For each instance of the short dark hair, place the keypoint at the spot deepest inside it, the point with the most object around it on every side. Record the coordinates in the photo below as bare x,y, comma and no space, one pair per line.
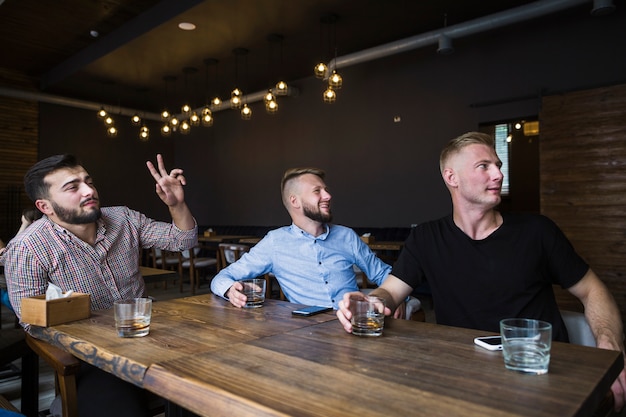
34,184
293,173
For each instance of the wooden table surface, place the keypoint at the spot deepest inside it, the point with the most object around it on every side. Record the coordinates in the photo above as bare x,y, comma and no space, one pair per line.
222,238
217,360
386,245
179,328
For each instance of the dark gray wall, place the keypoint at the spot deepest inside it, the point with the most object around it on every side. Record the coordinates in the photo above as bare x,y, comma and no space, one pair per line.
380,173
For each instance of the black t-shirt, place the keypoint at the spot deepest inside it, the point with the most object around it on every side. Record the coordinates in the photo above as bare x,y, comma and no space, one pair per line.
476,283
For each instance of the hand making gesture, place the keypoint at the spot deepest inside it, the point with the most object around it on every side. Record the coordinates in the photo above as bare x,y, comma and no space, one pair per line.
169,187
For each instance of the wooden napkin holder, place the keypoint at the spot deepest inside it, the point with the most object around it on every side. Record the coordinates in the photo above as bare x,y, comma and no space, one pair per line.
39,312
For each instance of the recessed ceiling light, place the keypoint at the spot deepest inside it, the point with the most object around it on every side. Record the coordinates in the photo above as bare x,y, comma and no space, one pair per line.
186,26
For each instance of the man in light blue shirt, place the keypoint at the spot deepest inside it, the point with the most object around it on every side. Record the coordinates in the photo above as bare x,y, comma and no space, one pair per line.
312,259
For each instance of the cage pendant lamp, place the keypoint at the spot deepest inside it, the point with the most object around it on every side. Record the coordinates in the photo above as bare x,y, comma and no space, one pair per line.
328,22
246,112
335,80
216,102
236,94
320,70
111,131
166,130
185,127
329,95
144,133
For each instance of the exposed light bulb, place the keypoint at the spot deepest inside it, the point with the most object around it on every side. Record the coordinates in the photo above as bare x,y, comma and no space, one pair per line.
320,70
246,112
281,88
330,95
335,81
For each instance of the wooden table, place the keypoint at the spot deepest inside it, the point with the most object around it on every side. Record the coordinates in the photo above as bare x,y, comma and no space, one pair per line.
156,274
222,238
386,245
217,360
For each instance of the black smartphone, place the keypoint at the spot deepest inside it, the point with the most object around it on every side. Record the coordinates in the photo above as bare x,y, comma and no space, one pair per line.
310,311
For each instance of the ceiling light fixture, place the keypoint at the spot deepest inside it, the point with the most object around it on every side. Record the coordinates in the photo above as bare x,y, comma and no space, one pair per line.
236,95
111,131
144,133
165,114
206,114
186,108
186,26
185,127
246,112
321,69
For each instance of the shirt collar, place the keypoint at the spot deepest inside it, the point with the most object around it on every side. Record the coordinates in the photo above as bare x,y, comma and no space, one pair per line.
323,236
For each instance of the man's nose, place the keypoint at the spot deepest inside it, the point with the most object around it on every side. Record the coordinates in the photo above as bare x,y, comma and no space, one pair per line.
86,189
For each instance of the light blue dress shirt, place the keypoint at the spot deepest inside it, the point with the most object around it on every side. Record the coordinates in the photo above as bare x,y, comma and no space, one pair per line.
310,270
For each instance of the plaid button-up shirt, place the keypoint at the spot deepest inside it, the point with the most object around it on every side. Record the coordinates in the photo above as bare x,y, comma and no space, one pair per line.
109,270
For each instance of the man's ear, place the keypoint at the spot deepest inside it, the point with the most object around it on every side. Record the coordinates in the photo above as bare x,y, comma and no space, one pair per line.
450,178
44,206
294,201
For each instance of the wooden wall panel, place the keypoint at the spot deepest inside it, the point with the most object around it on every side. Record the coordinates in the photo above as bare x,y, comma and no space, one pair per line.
583,177
19,121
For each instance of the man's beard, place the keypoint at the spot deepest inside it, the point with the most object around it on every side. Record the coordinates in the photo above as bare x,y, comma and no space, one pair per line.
317,215
74,217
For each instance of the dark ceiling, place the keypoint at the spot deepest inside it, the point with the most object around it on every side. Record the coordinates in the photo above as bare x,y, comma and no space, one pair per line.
139,42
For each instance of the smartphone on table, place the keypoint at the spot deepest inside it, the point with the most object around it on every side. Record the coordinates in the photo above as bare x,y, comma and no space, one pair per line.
489,342
310,311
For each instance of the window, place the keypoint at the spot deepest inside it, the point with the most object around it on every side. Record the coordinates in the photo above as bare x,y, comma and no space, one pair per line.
503,142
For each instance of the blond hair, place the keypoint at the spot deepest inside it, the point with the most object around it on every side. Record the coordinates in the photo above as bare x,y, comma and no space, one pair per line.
455,145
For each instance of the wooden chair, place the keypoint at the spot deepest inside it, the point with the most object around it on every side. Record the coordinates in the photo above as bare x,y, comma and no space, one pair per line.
231,252
188,259
13,346
164,260
65,368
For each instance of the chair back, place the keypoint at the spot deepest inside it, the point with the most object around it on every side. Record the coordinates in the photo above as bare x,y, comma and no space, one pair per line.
230,252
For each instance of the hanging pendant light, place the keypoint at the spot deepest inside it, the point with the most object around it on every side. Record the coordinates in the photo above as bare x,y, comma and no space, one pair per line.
144,133
174,122
165,114
271,107
320,70
216,102
102,113
269,96
235,98
186,108
166,130
207,117
327,28
329,95
185,127
236,95
246,112
135,120
108,121
194,119
335,80
111,131
281,88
